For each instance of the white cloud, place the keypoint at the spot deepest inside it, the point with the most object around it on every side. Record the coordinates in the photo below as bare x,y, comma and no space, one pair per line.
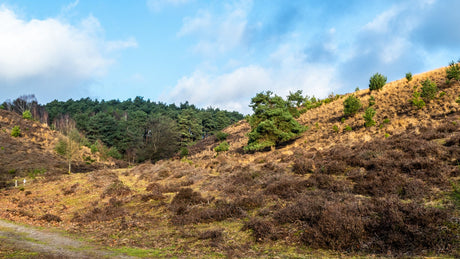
217,33
233,90
56,56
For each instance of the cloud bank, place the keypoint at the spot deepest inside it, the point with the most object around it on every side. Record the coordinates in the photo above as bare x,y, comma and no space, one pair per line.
51,57
273,50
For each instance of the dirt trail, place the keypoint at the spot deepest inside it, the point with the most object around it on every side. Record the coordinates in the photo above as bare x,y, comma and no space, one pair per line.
50,244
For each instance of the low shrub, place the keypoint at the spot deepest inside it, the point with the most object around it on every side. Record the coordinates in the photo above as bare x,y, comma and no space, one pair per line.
351,105
348,128
261,229
335,128
417,101
50,217
429,90
221,135
16,132
224,146
453,72
27,115
116,188
409,76
371,100
368,117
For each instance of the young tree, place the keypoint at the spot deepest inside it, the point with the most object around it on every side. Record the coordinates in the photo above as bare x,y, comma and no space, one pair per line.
69,145
271,123
351,105
377,81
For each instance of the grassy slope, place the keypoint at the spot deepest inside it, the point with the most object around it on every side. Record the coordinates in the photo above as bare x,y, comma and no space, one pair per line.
385,189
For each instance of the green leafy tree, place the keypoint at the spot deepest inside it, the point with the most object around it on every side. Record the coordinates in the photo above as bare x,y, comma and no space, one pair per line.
271,123
162,139
68,146
377,81
351,105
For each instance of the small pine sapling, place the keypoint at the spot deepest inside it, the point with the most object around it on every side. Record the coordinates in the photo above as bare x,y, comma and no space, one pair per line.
368,117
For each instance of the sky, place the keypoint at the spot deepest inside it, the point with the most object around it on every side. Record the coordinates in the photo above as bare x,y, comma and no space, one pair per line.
217,53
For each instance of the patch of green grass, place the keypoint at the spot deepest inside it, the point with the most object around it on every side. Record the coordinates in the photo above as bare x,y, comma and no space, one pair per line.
142,253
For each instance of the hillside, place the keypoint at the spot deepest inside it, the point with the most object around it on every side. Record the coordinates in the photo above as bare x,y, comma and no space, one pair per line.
33,152
391,189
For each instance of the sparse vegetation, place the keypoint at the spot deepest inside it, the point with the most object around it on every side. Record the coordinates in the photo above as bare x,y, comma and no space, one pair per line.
348,128
351,105
16,132
335,128
377,81
368,117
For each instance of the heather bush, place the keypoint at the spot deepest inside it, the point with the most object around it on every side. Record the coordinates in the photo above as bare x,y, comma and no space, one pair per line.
377,81
351,105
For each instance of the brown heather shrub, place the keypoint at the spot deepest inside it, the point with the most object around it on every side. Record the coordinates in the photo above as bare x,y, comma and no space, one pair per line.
111,210
303,166
72,189
286,187
116,188
213,234
184,198
220,210
50,217
261,229
327,182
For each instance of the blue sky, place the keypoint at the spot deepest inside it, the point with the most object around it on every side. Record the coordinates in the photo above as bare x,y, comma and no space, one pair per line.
217,53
